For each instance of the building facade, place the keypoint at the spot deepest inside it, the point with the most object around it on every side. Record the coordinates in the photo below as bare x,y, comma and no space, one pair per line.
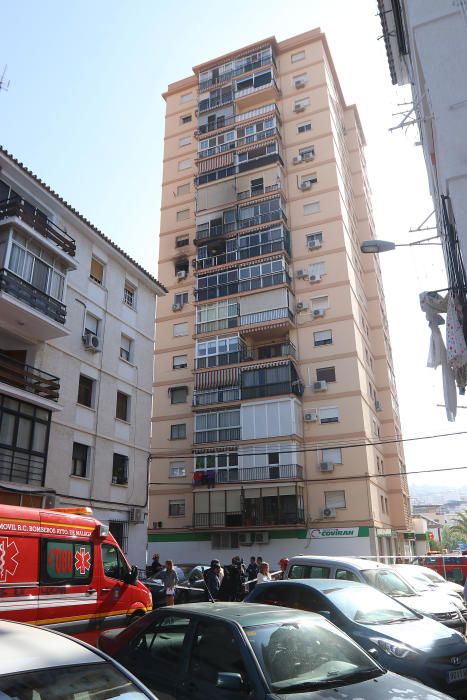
76,362
274,388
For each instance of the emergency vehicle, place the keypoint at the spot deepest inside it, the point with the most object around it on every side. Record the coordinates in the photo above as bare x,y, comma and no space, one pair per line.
61,568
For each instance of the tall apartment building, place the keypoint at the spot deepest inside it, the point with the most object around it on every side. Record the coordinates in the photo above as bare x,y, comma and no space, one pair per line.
76,359
274,387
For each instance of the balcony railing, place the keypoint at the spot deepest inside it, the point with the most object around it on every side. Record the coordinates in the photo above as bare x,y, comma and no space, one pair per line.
240,519
18,207
208,397
25,292
218,291
203,233
246,194
266,316
244,140
21,467
278,246
209,477
220,324
246,67
28,378
222,122
217,435
219,230
213,102
245,166
264,352
251,90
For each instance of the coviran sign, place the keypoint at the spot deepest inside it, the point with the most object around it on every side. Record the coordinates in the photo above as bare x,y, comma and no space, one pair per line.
334,532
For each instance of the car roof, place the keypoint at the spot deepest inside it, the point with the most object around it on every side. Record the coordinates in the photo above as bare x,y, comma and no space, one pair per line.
320,584
243,614
352,561
27,648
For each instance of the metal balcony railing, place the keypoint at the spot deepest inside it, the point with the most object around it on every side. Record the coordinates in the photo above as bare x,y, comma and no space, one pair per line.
217,435
254,251
244,140
253,164
16,206
246,194
266,316
23,291
21,467
245,67
213,102
28,378
241,519
220,324
251,90
266,473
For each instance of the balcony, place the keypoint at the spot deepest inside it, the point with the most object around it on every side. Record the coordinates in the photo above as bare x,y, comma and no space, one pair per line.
254,245
267,316
222,122
210,477
17,207
21,467
241,167
222,289
247,194
215,101
246,354
245,66
217,435
205,232
28,378
243,141
209,397
239,519
251,95
26,309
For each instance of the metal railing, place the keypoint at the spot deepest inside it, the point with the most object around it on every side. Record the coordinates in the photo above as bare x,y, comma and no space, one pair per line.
246,194
241,519
220,324
16,206
28,378
228,171
263,473
21,467
23,291
244,140
254,251
217,435
217,291
212,102
266,316
251,90
261,391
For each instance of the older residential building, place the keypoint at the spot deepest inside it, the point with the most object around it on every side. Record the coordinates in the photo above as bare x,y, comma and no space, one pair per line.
276,421
76,346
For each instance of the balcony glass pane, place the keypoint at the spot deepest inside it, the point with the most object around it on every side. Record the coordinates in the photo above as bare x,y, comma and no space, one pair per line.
7,426
24,433
39,438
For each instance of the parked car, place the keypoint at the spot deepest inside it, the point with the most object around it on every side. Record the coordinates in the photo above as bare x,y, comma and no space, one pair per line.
230,650
40,663
452,567
402,640
436,579
382,577
415,576
190,580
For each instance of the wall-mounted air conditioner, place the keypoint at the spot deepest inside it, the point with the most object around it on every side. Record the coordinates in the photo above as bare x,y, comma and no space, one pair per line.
308,156
320,386
305,185
261,537
177,307
319,313
299,108
328,512
181,274
301,274
301,306
310,416
296,160
314,243
326,466
315,278
136,515
92,342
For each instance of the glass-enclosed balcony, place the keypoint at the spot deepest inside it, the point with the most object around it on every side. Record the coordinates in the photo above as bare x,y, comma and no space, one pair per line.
246,311
228,164
209,397
270,380
232,69
241,136
217,426
242,279
216,98
220,121
250,245
223,351
241,217
14,286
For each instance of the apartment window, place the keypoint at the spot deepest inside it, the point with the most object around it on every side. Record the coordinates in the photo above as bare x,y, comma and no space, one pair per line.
184,141
181,298
332,454
382,467
122,410
180,329
303,128
91,324
386,504
177,469
329,415
180,361
186,97
300,105
307,152
326,374
334,499
316,271
307,181
178,431
85,390
181,241
322,338
378,467
120,469
312,208
319,303
183,189
182,214
80,459
176,508
125,348
299,56
129,295
375,426
185,119
301,78
97,271
178,394
382,503
184,164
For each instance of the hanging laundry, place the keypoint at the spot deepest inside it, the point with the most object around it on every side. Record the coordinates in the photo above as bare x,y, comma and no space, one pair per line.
456,347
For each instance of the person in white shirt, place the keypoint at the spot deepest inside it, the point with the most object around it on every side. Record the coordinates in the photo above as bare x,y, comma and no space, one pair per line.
264,574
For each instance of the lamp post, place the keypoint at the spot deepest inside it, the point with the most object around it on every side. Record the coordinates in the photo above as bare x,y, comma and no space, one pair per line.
375,245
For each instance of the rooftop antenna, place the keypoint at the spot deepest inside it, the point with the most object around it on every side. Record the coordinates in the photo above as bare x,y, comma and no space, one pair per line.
4,84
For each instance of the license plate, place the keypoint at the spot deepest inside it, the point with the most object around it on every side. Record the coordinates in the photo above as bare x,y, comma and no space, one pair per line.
458,675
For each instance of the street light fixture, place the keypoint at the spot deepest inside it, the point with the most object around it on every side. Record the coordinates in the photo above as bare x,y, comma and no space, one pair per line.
376,246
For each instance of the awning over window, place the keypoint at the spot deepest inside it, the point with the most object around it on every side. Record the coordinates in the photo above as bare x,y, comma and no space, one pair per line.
217,378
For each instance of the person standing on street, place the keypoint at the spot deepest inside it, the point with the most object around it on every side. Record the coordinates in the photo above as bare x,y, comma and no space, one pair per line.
264,574
251,573
156,566
212,579
169,578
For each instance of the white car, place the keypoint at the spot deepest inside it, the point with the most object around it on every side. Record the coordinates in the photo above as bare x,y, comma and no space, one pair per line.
423,581
42,664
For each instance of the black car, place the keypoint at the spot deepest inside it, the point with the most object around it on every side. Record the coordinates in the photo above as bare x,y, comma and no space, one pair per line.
223,651
190,587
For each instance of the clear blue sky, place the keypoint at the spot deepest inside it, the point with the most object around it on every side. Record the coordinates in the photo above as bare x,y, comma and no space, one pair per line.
84,112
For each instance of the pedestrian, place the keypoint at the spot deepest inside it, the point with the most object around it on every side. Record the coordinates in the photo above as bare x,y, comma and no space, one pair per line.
212,579
282,565
169,578
233,584
264,574
156,566
251,573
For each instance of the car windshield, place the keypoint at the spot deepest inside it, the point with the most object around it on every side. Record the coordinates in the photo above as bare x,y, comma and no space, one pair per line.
433,576
388,582
417,580
304,654
368,606
79,682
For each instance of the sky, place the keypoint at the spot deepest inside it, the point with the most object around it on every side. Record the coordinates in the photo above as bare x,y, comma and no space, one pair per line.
84,112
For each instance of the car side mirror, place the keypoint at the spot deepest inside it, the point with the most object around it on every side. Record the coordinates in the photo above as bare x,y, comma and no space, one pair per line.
229,681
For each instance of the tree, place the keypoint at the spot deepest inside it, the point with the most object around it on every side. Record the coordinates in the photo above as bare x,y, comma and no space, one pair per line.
459,529
448,539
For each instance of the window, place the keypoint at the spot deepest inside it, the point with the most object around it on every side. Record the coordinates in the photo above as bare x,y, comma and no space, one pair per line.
185,119
120,469
178,431
322,338
37,267
327,374
176,508
181,298
299,56
180,329
382,503
300,105
302,78
53,571
334,499
319,303
113,562
182,214
180,361
303,128
177,469
91,324
307,152
329,415
386,504
309,571
97,271
181,241
85,390
122,409
312,208
216,650
184,141
312,237
184,164
178,394
376,428
125,348
344,575
80,458
316,271
183,189
129,295
186,97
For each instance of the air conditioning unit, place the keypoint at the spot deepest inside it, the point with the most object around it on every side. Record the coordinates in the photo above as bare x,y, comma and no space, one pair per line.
378,406
305,185
308,156
301,306
245,538
315,278
92,342
320,386
319,313
300,84
299,108
177,307
301,274
314,243
261,537
136,515
310,416
296,160
181,274
326,467
328,512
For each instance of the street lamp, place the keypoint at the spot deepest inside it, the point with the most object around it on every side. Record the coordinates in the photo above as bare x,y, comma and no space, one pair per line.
376,246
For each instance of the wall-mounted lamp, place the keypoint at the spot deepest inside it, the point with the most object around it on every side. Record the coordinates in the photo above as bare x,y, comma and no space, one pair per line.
376,246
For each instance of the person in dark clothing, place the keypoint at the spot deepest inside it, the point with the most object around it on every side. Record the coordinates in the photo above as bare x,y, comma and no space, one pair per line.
251,573
212,579
156,566
232,586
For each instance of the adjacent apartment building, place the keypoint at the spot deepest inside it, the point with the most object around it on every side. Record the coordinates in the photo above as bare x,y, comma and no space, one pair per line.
76,358
276,421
